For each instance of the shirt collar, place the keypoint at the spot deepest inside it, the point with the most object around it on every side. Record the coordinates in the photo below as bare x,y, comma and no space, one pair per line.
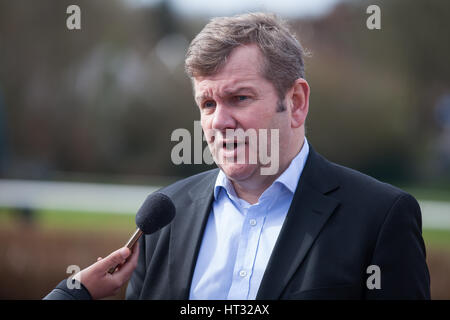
289,178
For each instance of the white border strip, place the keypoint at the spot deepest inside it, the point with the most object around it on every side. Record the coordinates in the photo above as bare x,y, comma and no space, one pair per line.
126,199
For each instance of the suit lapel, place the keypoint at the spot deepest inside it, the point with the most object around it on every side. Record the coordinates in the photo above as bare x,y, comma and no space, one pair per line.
186,234
309,211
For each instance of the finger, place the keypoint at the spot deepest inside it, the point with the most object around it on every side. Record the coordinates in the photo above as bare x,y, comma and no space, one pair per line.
115,258
134,253
125,271
99,258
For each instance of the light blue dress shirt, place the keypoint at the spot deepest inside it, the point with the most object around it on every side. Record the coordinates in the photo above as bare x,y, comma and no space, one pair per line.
239,237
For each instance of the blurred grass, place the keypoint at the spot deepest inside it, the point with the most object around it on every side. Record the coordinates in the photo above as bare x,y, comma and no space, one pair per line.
70,220
437,239
94,221
429,194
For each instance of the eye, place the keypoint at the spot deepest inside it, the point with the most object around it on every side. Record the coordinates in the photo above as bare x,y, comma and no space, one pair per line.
209,104
241,98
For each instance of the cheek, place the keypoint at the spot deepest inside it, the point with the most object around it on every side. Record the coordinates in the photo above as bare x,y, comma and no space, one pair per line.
263,122
263,116
205,122
253,120
207,130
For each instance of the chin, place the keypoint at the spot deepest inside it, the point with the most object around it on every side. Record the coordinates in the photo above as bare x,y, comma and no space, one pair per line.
239,172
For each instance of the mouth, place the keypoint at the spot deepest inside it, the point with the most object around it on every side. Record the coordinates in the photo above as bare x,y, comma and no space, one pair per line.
232,145
231,149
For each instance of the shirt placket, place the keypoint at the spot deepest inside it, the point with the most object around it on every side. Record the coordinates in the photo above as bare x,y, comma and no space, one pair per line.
247,251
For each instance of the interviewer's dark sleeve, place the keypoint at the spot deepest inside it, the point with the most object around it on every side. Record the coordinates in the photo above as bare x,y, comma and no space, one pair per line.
62,292
400,254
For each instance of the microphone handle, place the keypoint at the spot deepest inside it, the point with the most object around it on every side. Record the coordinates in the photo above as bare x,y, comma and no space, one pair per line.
135,237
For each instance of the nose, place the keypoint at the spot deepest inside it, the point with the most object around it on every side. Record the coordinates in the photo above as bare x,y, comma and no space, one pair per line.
223,118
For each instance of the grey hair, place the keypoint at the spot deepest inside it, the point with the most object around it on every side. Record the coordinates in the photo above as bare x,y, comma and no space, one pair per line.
283,54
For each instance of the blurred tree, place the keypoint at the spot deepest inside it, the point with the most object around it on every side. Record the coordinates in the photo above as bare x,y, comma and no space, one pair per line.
105,99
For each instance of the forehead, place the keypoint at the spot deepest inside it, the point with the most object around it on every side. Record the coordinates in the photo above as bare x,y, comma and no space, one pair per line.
242,69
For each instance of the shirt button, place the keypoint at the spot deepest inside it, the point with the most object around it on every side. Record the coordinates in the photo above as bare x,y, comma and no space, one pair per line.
243,273
252,222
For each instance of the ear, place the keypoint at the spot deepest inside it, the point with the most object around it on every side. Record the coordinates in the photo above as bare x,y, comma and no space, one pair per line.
299,101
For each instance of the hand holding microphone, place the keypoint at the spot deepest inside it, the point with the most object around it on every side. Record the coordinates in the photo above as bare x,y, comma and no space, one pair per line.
105,277
156,212
99,282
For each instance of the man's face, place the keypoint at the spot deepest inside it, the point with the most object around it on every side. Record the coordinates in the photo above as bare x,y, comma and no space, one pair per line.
238,97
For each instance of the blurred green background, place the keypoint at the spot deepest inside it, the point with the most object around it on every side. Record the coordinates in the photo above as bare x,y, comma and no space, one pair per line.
98,105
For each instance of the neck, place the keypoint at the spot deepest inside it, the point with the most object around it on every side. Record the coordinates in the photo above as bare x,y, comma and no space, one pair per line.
251,189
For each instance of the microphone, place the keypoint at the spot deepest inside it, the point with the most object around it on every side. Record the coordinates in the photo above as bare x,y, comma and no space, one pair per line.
156,212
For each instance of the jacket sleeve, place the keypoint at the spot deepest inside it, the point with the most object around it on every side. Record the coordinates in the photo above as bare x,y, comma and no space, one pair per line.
62,292
400,254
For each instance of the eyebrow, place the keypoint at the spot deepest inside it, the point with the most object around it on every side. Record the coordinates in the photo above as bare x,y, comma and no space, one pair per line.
239,90
227,92
202,97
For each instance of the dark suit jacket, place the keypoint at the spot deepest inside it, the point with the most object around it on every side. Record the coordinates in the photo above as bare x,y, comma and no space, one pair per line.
339,223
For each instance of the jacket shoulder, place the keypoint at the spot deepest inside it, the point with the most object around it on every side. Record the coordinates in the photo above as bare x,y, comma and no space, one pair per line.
362,184
190,184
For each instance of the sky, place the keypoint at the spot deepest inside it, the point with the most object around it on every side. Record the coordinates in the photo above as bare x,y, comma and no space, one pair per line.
285,8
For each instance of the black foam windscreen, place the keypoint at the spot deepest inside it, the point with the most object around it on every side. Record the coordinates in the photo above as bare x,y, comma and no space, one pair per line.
156,212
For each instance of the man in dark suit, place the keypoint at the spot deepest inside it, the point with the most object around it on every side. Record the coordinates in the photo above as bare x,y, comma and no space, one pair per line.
310,229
